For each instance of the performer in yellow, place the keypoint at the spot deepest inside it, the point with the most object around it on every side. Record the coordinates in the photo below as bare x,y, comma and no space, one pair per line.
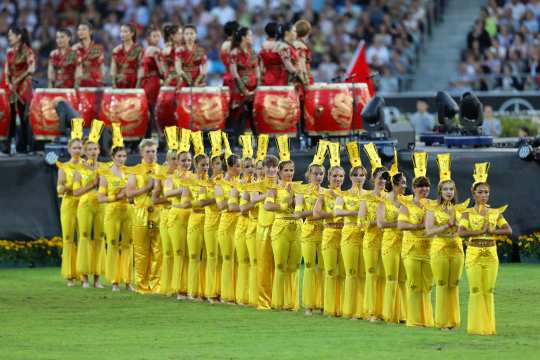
117,220
146,241
311,233
91,246
481,225
394,309
324,209
447,255
68,209
347,206
367,215
416,247
178,216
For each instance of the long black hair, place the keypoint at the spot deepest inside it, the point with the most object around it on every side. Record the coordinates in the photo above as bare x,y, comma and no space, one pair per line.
169,30
282,29
23,33
238,36
230,27
272,29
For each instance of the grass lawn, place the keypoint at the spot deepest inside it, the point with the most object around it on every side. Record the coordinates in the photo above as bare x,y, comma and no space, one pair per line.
41,318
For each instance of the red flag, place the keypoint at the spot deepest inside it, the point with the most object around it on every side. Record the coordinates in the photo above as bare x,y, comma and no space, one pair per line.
358,70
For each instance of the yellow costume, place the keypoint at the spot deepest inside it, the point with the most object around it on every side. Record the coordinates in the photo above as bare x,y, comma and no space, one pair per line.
251,243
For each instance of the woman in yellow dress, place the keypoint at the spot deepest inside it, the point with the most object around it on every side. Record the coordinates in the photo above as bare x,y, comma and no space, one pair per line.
482,225
447,255
347,206
117,220
367,215
324,209
416,247
68,209
394,309
90,247
311,233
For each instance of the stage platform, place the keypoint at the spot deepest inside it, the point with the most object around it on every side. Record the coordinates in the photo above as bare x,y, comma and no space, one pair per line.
31,207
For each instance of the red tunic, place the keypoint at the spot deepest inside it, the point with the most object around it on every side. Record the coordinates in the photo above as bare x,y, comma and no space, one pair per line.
224,55
18,61
91,62
151,79
170,76
275,73
289,52
127,65
305,52
64,67
246,67
191,65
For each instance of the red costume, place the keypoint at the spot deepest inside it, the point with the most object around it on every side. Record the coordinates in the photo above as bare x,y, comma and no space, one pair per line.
151,79
305,52
91,62
225,55
18,62
289,53
127,65
275,73
170,76
64,67
191,65
246,67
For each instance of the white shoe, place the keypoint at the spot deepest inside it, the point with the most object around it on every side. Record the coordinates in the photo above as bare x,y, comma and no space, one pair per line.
115,288
85,285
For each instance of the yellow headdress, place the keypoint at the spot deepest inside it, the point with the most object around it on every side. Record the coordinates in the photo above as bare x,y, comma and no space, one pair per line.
373,156
480,173
395,166
354,154
95,131
334,149
420,163
77,129
215,143
226,147
320,153
117,139
283,148
171,136
185,143
198,144
247,146
262,146
443,162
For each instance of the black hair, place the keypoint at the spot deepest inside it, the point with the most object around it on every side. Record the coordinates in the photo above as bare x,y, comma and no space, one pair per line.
238,36
169,30
230,27
271,161
133,30
65,31
150,30
190,26
23,33
271,29
283,28
394,181
117,149
229,162
88,24
421,181
199,157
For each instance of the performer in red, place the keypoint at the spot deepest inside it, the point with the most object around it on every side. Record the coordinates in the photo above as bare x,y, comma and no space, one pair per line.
126,64
303,29
272,69
90,59
191,62
62,62
290,58
224,53
18,70
244,71
173,39
152,69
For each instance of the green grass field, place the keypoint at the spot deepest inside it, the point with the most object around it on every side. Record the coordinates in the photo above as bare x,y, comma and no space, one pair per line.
41,318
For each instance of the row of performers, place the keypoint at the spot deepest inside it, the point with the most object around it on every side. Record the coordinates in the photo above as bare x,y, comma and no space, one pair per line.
236,228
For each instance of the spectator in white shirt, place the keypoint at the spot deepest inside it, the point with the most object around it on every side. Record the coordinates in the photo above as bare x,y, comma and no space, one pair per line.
223,12
379,51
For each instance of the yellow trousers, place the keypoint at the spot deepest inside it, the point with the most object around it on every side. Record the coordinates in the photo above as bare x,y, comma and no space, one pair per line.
68,221
334,271
394,305
118,232
226,229
147,257
167,253
195,241
91,244
251,243
353,264
482,265
177,229
374,289
265,267
313,282
419,284
242,255
211,223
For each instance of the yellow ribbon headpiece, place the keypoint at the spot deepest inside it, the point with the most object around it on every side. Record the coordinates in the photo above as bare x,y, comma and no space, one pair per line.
77,129
373,155
283,148
395,166
226,146
420,163
334,150
246,141
185,140
354,154
443,162
320,154
215,143
480,173
95,131
171,136
117,139
198,144
262,146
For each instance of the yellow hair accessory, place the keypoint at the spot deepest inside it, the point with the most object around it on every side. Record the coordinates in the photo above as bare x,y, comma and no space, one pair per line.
198,144
283,147
480,172
226,147
215,143
171,136
443,162
354,154
247,146
320,154
334,150
117,139
395,165
262,146
185,142
77,129
95,131
373,155
420,163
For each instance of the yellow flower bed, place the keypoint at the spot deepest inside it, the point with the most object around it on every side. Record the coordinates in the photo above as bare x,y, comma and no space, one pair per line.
31,252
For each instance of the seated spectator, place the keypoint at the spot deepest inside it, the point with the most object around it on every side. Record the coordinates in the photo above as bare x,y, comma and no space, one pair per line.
422,121
491,126
378,51
387,82
462,81
480,34
507,80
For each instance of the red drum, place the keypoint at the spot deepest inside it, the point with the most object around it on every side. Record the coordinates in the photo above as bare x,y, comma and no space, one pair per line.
328,109
43,116
166,107
89,103
361,97
208,107
226,100
276,110
5,115
129,107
